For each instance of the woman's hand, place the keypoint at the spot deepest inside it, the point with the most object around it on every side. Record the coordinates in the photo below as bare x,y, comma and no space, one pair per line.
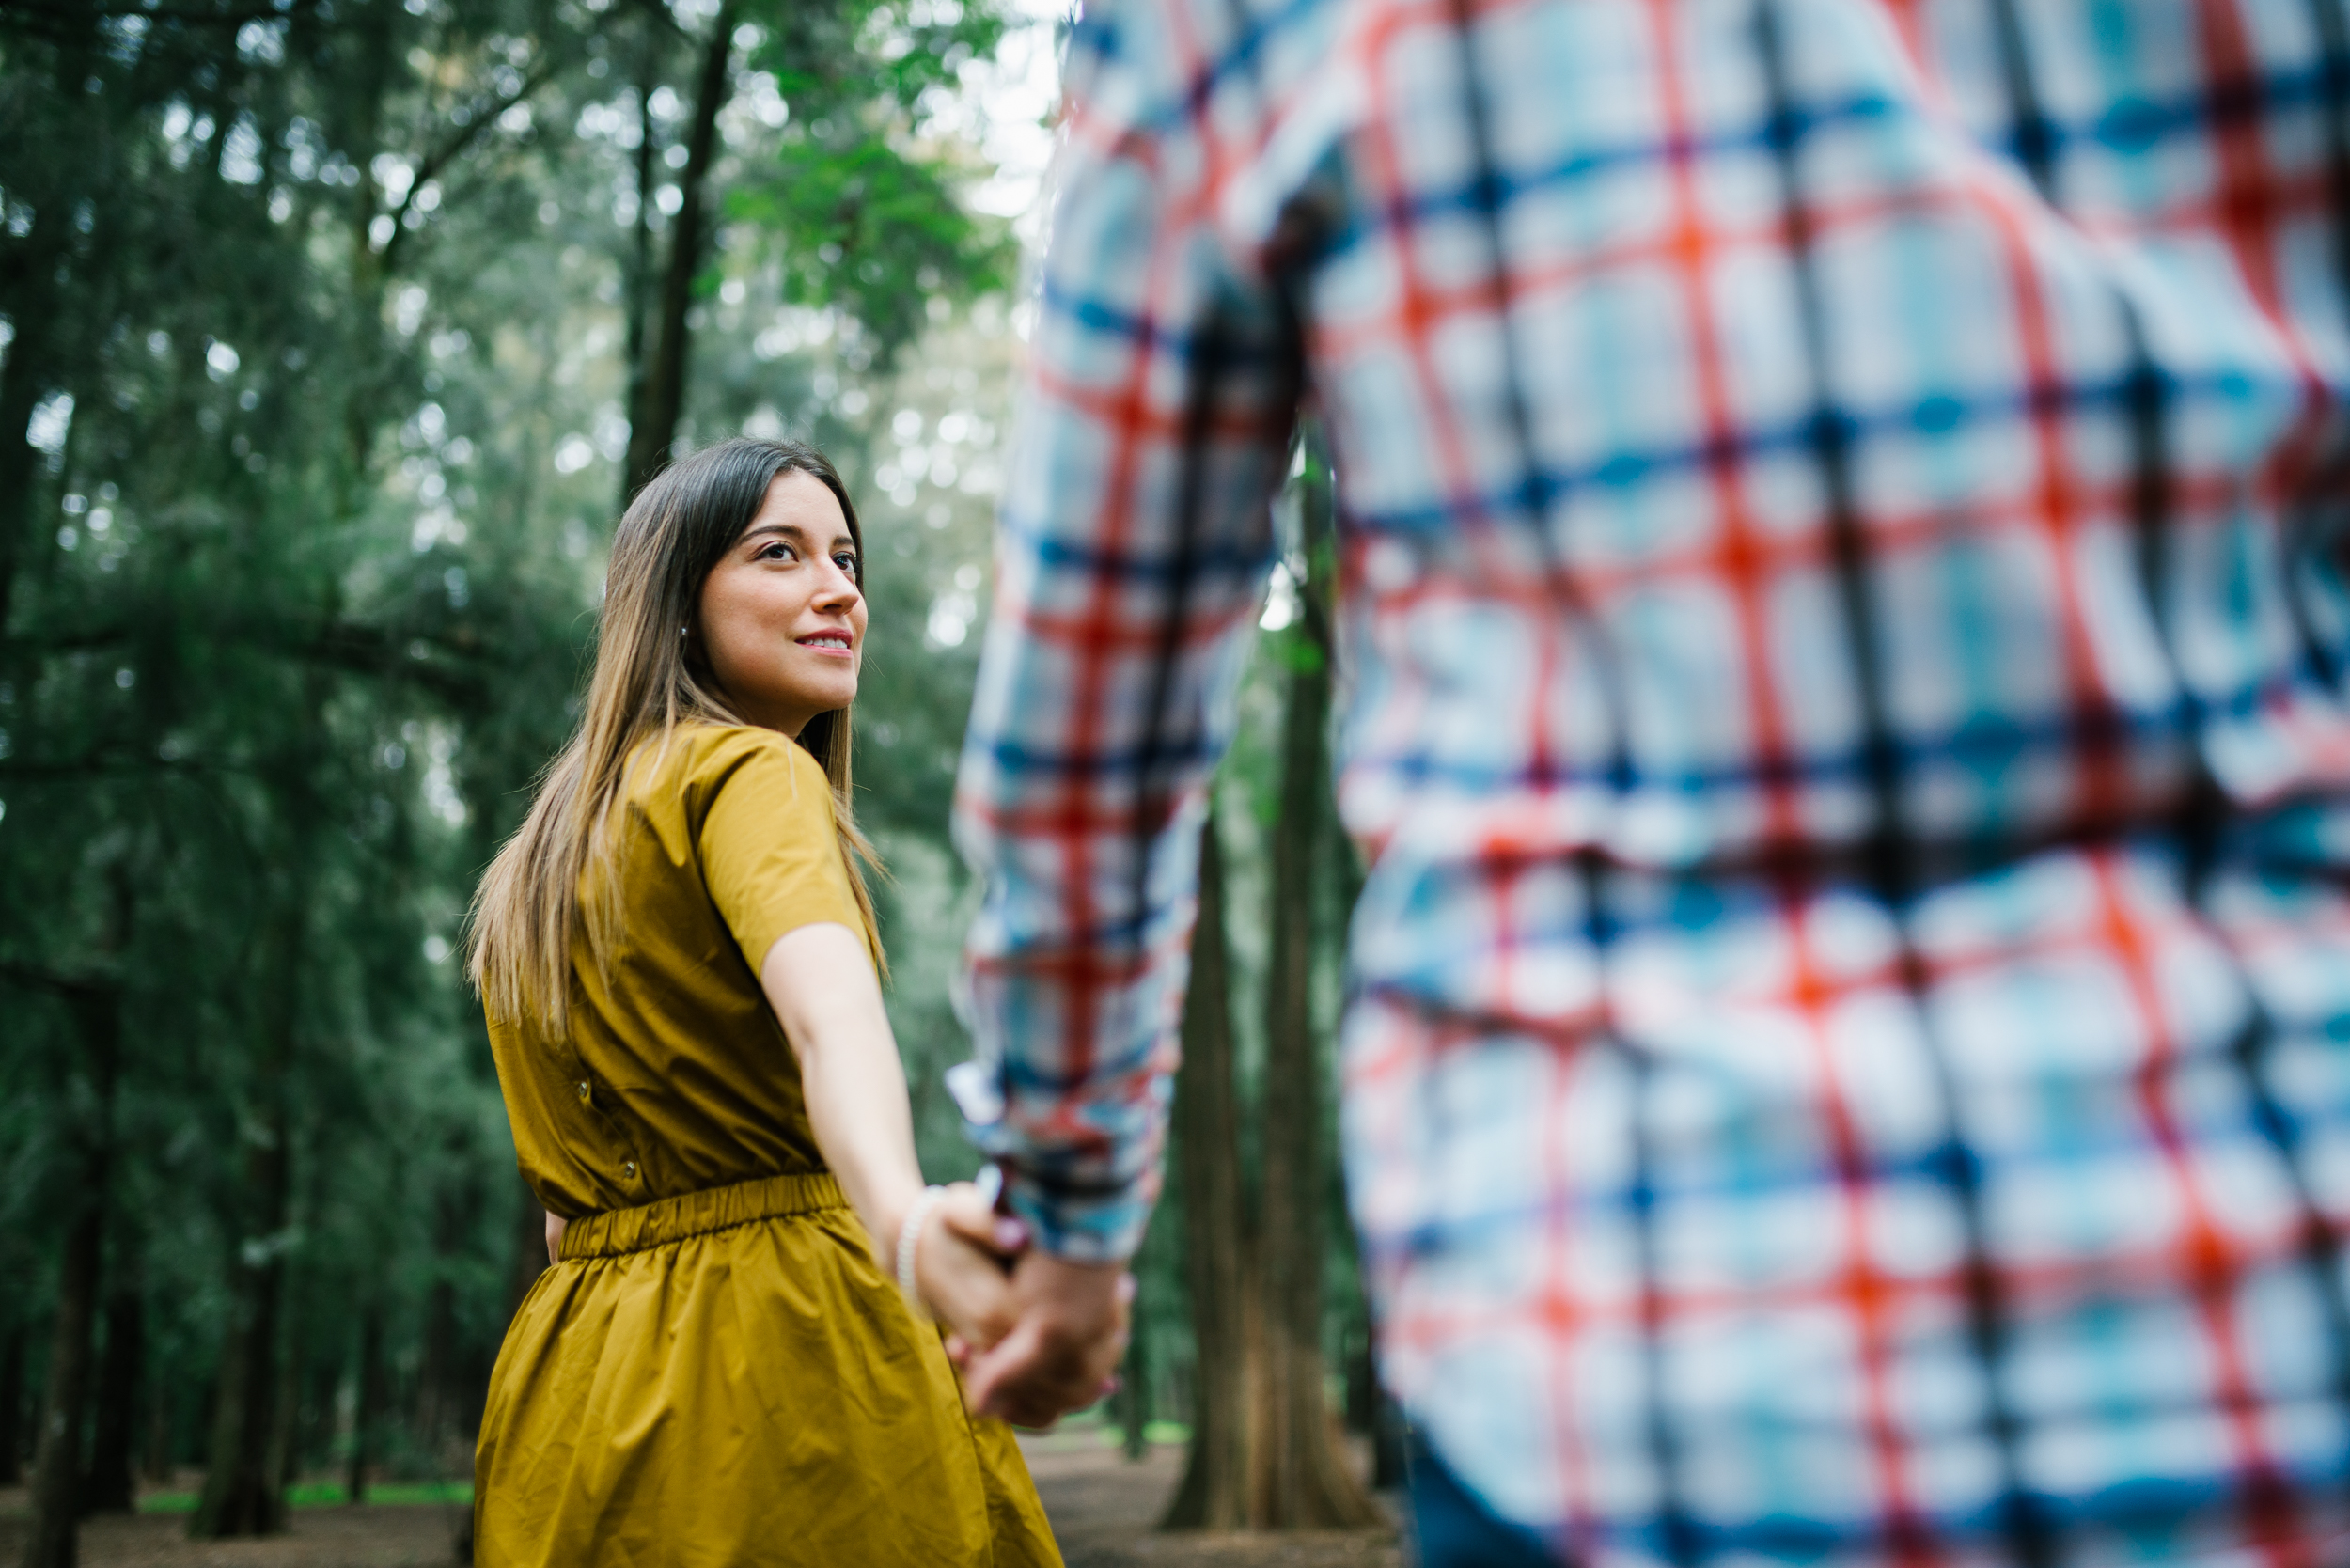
962,1266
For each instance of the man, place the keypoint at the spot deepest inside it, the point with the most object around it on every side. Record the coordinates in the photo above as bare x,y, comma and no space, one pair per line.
1848,1057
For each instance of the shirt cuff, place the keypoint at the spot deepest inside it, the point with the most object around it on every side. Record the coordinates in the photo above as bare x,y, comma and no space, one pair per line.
1077,1218
1078,1227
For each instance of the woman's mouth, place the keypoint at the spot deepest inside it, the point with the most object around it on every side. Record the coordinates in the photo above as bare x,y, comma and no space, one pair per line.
834,643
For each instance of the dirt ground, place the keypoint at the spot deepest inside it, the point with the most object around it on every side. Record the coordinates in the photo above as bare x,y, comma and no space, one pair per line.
1101,1507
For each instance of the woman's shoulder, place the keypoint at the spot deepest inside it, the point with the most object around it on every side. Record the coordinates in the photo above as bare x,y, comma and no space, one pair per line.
701,761
701,752
704,744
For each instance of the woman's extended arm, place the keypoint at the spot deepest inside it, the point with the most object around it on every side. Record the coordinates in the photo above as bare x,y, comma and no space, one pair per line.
819,980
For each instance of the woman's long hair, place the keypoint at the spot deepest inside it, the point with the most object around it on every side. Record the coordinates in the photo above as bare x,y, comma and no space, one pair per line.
647,680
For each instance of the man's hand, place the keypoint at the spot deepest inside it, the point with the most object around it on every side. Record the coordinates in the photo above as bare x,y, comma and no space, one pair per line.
1068,1336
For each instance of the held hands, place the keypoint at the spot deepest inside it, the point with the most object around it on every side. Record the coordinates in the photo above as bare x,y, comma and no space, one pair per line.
962,1266
1036,1338
1070,1336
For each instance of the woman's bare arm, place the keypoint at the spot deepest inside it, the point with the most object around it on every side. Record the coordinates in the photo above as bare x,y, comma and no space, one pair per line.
819,980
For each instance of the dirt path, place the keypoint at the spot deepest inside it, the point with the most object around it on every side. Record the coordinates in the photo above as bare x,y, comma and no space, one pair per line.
1101,1507
363,1537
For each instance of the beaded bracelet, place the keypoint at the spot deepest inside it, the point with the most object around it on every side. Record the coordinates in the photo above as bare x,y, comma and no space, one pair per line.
909,1234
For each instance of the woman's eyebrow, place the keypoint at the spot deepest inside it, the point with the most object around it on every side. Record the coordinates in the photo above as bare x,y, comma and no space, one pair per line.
794,532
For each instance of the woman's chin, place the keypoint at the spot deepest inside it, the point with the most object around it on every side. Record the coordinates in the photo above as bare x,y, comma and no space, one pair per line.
827,697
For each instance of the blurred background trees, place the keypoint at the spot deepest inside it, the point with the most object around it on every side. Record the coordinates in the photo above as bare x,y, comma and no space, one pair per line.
333,333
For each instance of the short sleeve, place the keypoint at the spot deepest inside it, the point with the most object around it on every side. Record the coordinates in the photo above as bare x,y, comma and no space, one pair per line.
769,853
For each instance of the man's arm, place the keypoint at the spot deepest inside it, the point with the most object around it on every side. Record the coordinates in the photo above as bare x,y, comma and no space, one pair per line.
1133,544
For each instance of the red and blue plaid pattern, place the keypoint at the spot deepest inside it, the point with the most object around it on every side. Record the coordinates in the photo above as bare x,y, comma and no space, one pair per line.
1842,502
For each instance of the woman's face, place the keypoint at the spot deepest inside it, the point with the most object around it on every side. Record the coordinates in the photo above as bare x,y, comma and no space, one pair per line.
782,618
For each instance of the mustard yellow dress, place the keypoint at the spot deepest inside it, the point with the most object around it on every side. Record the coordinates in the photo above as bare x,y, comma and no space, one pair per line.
717,1373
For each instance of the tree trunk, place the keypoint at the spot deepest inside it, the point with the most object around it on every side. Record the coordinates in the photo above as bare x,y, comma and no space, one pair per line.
1300,1480
34,298
1372,1412
367,30
364,1401
57,1466
1214,1492
112,1487
242,1495
284,1456
1386,1425
12,1408
436,1371
161,1408
638,279
652,423
26,376
1133,1394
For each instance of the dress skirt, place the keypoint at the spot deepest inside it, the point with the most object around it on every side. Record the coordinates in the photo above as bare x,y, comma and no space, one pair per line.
727,1379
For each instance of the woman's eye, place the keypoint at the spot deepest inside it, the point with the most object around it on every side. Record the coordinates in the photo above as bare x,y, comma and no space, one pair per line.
776,552
847,564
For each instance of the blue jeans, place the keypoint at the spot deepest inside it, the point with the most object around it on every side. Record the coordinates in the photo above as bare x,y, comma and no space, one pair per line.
1454,1529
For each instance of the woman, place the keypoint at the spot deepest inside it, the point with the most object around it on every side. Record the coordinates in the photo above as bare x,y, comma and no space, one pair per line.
677,957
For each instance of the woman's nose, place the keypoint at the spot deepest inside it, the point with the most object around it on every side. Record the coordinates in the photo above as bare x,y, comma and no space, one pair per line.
838,587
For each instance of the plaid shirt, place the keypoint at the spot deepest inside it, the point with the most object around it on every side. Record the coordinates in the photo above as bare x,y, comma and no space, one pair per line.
1849,1049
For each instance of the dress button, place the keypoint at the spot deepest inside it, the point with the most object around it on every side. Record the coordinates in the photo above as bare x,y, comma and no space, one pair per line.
583,1091
628,1169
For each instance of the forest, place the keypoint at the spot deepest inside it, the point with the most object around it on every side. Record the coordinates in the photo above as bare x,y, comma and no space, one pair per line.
334,336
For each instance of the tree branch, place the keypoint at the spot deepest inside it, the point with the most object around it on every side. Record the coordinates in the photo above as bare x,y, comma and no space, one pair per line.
373,650
361,650
81,15
431,165
92,984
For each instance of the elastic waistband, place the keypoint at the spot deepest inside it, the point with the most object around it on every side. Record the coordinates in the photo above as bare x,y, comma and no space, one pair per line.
697,1214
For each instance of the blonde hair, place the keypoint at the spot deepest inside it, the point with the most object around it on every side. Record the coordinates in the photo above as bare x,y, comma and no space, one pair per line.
646,682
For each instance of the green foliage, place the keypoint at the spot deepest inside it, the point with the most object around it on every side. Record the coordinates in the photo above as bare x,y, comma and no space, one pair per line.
863,227
329,1494
250,673
857,214
850,58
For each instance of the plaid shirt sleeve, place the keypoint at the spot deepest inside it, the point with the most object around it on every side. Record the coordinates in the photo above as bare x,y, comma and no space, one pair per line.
1134,543
1842,604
